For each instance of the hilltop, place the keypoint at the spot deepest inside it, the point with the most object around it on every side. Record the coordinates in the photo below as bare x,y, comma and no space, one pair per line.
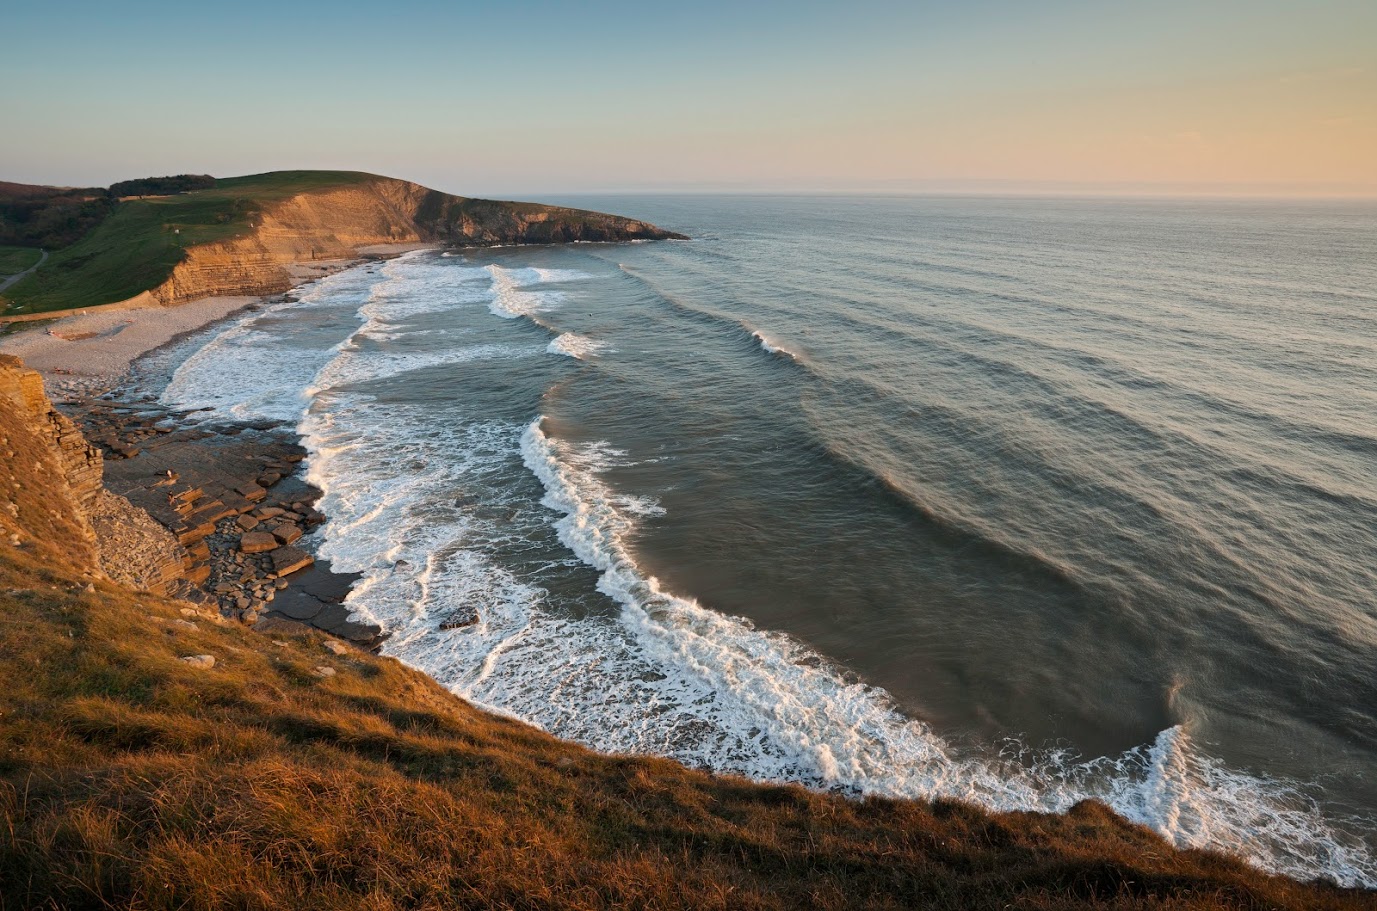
238,235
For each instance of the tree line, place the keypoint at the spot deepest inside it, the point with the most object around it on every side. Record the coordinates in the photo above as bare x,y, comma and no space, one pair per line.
56,217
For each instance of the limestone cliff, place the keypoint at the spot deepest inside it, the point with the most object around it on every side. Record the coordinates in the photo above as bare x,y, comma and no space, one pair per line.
52,499
337,222
49,475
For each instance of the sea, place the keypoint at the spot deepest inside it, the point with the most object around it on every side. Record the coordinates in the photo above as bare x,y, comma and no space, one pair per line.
1019,501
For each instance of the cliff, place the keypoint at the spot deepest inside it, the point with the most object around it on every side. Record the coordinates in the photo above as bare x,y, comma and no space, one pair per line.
155,757
53,503
239,236
52,476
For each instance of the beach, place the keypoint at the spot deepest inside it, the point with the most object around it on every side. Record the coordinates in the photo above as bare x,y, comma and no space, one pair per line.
89,353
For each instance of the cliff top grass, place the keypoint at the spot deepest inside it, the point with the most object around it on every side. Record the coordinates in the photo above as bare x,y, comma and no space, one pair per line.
137,246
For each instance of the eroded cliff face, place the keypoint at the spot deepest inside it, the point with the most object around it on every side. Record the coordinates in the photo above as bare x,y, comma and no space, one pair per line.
324,225
335,224
53,502
49,475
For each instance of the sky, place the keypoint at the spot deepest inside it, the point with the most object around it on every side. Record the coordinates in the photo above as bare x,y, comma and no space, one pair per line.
1209,96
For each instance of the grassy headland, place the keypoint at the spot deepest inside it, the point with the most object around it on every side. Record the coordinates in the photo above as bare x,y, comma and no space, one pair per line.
139,245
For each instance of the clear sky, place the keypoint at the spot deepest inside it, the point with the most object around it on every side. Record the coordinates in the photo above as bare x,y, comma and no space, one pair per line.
1250,96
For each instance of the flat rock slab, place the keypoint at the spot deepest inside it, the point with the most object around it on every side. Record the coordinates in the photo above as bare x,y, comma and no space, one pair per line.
297,605
331,616
323,583
260,542
286,560
365,634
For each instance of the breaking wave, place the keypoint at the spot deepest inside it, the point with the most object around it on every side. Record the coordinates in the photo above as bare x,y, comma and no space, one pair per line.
580,347
773,347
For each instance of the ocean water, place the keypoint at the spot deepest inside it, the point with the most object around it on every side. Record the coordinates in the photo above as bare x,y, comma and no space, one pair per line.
1013,501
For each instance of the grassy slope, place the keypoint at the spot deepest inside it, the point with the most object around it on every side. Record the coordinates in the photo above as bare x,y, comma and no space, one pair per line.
130,779
16,259
137,247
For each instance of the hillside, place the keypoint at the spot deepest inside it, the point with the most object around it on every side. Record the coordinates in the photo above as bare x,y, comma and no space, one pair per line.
238,236
51,217
293,772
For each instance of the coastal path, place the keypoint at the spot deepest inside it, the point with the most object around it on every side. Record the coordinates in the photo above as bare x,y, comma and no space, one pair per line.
6,282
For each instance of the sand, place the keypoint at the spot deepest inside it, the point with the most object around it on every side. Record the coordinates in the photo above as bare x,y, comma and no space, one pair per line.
89,353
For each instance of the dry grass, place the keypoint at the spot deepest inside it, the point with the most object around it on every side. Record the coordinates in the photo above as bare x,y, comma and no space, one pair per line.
129,779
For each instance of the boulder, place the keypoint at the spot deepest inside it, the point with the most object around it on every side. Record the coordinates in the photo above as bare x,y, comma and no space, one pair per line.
287,534
203,662
252,492
257,542
288,559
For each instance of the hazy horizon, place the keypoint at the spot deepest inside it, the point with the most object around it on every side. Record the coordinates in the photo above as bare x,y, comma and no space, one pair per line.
1066,98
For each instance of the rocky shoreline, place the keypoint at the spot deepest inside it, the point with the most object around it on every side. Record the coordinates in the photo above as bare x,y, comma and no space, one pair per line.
232,513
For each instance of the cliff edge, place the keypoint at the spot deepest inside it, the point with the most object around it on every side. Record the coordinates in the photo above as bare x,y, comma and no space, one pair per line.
55,505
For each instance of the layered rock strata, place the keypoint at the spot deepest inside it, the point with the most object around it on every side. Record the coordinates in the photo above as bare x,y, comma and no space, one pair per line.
91,527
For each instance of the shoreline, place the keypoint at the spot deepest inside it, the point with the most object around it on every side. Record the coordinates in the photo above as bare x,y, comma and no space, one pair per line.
90,352
229,493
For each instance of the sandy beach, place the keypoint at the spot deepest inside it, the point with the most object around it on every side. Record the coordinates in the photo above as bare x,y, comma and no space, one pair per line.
88,353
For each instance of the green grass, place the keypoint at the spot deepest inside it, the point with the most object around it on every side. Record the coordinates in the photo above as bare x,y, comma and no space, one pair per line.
16,259
143,240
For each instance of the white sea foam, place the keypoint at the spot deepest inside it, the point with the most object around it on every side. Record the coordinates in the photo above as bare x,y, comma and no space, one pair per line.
250,372
576,346
520,292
